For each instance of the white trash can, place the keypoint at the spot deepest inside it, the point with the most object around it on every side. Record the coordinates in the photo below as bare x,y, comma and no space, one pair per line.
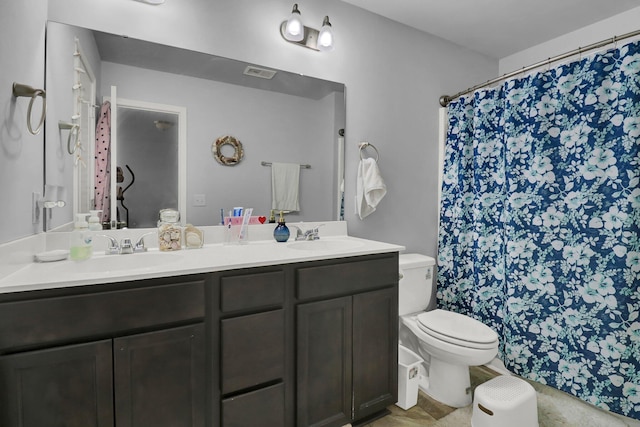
408,377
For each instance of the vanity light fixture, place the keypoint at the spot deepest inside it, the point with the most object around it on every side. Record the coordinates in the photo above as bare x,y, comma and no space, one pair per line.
294,31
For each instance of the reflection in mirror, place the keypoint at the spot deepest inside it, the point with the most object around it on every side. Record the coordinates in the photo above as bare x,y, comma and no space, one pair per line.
279,117
147,177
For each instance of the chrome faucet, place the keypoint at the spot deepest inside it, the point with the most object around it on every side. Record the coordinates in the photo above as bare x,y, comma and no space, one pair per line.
114,247
126,247
139,246
310,234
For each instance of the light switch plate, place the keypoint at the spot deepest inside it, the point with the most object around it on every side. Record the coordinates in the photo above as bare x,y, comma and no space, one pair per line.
199,200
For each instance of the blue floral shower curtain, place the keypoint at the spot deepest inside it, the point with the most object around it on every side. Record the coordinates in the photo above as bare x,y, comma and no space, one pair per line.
539,230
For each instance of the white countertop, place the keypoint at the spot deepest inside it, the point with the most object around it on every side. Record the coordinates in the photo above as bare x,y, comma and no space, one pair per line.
210,258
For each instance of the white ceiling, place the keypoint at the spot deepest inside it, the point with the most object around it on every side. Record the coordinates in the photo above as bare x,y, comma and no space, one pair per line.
497,28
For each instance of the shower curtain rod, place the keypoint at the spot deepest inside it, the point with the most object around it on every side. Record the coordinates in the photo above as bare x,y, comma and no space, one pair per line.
445,99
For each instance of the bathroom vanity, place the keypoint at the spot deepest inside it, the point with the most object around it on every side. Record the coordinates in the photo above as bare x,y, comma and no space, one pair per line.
309,340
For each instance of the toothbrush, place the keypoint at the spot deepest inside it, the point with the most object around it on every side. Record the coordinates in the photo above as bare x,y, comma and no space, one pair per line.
245,223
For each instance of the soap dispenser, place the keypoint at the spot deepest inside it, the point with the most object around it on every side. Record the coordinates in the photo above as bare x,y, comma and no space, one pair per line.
94,220
81,239
281,232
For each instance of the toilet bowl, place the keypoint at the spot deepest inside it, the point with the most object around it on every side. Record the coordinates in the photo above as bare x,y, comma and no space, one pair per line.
450,342
450,356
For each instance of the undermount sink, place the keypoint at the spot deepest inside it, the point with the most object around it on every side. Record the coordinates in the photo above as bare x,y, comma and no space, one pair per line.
135,261
325,245
106,264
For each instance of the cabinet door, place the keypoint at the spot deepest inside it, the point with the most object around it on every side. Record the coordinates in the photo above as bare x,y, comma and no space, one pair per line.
67,386
324,363
160,378
375,351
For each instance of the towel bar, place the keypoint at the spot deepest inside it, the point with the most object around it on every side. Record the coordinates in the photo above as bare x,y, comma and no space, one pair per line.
301,166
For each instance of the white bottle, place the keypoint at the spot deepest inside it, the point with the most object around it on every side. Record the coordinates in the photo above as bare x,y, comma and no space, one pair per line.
94,221
81,239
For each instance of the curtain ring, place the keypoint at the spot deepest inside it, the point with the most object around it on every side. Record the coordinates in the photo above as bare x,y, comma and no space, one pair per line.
28,91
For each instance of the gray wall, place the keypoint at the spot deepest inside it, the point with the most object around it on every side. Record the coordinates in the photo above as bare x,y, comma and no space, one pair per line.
615,26
21,154
394,76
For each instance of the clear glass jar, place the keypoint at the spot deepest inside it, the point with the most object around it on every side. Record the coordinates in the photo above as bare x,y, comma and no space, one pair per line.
169,230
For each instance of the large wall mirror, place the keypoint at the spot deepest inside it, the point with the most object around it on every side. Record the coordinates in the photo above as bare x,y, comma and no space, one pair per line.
167,107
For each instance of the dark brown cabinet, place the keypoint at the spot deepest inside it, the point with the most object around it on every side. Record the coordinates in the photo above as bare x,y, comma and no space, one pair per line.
252,347
159,378
304,344
158,382
324,362
82,359
375,351
346,346
252,350
69,386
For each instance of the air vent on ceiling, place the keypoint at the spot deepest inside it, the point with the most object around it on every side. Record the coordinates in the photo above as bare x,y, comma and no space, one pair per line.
262,73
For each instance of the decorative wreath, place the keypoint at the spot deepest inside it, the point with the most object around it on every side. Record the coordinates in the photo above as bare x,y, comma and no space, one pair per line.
238,152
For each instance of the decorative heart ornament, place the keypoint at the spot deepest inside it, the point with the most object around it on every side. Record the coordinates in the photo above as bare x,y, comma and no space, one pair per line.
262,219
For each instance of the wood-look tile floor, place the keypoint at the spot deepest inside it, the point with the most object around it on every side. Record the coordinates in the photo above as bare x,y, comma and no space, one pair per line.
428,411
555,409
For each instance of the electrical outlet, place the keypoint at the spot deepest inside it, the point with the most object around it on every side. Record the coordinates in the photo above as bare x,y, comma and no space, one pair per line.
199,200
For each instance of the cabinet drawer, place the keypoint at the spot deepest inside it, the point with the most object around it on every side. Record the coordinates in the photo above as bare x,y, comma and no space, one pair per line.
259,408
51,320
347,277
251,291
252,350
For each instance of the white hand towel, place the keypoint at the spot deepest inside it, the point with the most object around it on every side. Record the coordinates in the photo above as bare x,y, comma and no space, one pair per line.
370,187
285,183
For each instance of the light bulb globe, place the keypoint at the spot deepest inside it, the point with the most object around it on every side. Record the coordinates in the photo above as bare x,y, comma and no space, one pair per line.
294,29
325,37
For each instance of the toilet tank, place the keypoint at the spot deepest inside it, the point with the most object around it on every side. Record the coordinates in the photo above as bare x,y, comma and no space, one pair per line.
416,282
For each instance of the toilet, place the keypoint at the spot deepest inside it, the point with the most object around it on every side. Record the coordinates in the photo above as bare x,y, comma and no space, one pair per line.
448,342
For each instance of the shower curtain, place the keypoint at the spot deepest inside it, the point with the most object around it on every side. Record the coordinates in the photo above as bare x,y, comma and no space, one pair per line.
539,226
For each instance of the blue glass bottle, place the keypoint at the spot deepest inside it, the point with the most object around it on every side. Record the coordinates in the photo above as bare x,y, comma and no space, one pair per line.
281,232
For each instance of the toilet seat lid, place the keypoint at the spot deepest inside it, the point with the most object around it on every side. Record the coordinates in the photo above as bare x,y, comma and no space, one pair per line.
457,329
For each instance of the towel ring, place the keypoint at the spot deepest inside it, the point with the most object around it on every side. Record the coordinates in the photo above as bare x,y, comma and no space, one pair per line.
29,92
74,129
364,145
